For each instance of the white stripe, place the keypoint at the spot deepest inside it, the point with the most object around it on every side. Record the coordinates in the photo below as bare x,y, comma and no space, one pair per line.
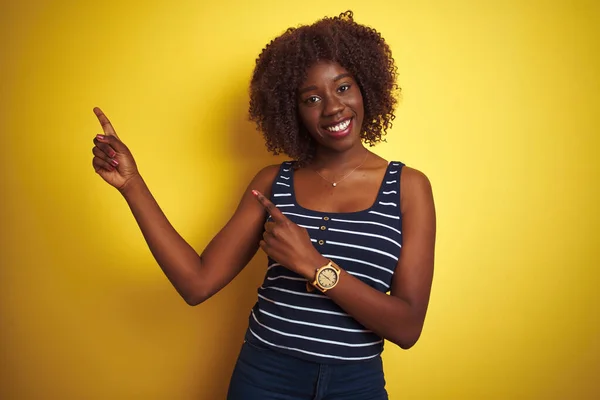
284,205
366,222
391,192
273,265
359,261
388,204
291,278
390,182
395,164
286,170
302,308
313,339
282,194
368,277
321,296
313,240
284,177
364,248
335,328
366,234
384,215
394,172
308,226
301,215
311,352
283,184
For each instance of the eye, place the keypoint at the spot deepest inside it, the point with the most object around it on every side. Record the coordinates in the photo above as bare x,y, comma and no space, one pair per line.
345,87
311,100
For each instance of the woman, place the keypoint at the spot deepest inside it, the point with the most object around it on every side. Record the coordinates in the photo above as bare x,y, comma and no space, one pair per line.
340,225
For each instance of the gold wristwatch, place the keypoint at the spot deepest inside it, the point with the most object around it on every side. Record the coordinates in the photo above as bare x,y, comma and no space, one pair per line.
326,277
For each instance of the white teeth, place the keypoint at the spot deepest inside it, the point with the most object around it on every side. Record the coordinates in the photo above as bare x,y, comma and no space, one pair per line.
339,127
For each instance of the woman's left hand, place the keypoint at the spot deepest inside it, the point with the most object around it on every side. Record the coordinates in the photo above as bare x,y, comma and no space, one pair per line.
288,243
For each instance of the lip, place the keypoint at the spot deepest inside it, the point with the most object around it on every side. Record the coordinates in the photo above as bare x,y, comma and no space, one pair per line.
339,134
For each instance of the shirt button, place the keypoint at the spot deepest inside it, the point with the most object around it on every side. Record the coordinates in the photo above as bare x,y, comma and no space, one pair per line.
323,227
321,242
326,218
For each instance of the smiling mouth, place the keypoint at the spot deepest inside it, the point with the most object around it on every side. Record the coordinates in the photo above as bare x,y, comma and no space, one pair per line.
340,127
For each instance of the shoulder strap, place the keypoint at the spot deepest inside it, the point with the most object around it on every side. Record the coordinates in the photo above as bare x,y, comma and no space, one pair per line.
388,199
282,184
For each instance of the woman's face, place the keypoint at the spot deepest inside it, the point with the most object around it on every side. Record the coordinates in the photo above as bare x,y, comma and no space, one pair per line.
330,105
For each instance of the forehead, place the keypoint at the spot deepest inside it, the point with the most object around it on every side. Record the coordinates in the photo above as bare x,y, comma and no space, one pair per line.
323,72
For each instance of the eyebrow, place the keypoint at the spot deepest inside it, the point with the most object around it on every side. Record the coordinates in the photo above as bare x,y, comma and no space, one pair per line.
337,78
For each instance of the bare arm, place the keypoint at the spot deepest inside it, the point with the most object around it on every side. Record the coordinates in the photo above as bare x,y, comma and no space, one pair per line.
195,277
198,277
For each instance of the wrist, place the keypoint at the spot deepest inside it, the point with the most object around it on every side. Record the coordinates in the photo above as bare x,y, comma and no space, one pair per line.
132,186
311,265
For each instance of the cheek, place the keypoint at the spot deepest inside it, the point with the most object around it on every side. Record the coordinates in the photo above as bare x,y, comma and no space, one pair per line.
359,107
310,122
359,102
310,118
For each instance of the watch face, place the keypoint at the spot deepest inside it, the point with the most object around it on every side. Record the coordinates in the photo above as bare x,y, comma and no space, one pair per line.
327,277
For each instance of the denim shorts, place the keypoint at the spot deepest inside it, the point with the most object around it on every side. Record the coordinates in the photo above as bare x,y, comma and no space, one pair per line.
265,374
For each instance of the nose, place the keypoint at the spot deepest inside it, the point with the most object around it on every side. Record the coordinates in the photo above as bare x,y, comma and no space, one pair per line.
333,106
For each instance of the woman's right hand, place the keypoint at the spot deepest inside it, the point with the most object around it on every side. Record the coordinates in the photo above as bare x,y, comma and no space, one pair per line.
112,159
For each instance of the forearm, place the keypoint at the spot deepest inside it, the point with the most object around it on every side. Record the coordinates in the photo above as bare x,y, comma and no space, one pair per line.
388,316
178,260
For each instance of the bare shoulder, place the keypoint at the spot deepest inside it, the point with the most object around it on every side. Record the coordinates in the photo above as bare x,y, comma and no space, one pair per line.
264,178
248,208
415,188
413,177
267,174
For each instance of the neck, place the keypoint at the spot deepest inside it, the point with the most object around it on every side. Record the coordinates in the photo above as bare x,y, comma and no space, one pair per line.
326,159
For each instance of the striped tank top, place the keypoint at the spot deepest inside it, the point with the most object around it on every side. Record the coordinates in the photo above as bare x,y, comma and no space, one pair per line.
366,244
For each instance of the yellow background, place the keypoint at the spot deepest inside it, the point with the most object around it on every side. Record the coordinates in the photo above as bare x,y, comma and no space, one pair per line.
500,109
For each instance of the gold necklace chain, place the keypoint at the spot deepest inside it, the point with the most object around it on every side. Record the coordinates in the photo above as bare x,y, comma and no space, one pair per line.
334,184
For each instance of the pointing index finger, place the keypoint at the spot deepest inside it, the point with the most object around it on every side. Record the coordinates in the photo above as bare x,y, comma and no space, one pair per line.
105,122
275,213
